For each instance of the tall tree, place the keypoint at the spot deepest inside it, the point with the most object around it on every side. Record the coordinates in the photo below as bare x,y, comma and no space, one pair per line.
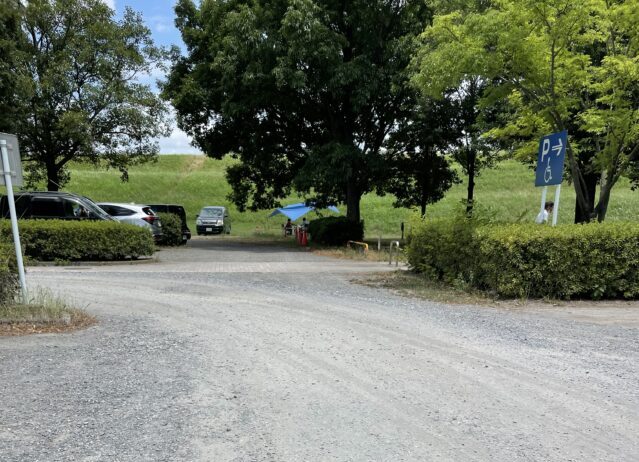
77,68
445,73
9,38
420,168
304,93
473,152
562,65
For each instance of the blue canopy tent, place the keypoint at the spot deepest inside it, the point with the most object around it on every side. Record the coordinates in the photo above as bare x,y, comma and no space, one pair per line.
295,211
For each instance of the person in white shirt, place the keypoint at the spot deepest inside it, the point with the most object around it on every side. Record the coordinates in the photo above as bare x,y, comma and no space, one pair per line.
543,216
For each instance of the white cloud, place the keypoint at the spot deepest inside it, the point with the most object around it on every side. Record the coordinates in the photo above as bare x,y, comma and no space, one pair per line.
177,143
151,78
160,23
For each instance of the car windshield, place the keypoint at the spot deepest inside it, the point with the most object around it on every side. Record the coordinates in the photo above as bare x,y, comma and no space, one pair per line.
95,209
212,212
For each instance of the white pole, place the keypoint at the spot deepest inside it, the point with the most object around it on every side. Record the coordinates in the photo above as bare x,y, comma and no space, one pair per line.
544,192
14,217
555,210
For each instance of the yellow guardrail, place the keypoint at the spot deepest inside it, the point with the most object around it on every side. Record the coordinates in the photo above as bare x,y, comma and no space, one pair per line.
361,245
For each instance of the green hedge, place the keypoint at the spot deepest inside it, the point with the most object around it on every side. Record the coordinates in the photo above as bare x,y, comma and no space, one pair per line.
8,274
571,261
171,229
49,240
335,230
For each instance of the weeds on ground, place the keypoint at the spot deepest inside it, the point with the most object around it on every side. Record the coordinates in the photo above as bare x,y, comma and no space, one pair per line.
42,313
357,254
413,285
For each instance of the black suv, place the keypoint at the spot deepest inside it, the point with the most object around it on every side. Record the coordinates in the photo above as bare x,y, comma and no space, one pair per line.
53,205
176,210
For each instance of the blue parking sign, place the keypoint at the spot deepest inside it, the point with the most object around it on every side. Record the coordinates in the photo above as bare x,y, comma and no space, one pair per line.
550,160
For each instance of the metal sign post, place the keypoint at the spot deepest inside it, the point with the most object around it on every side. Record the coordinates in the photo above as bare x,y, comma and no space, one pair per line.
15,164
550,168
6,174
555,209
544,193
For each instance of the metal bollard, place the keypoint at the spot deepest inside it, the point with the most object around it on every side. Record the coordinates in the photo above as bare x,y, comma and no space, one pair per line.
396,245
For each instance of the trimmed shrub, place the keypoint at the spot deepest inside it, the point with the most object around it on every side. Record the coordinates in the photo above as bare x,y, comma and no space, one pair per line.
49,240
570,261
171,229
335,230
441,249
8,274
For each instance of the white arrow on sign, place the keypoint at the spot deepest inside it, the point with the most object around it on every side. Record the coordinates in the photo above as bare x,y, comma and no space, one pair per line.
558,147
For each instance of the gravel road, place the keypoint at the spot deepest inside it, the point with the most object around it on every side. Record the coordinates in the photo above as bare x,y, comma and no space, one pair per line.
225,351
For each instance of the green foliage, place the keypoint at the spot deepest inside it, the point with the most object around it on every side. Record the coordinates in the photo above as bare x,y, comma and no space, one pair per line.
302,92
335,231
50,240
9,37
171,229
441,248
419,171
569,261
558,64
8,274
449,73
75,69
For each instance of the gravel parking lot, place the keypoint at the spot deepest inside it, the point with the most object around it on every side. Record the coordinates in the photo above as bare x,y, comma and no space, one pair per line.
228,351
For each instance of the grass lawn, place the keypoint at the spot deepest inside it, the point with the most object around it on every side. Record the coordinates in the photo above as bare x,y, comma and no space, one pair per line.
195,181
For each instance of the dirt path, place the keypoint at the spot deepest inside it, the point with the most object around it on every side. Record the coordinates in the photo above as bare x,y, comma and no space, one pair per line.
265,354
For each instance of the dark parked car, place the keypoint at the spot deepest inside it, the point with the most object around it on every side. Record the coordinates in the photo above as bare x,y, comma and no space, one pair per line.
176,210
53,205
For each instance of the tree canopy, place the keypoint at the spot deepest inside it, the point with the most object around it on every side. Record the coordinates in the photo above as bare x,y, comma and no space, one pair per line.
559,64
9,38
304,93
75,70
420,170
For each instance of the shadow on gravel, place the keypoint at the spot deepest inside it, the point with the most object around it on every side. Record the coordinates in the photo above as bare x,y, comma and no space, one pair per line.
243,245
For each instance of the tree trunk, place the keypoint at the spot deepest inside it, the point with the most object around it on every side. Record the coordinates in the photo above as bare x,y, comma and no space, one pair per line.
470,196
584,182
590,183
423,206
53,178
353,198
604,198
602,206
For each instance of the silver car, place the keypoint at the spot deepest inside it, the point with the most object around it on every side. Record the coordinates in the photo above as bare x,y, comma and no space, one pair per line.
213,220
135,214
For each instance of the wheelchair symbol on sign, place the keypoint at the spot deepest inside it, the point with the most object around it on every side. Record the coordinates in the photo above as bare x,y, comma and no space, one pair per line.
548,173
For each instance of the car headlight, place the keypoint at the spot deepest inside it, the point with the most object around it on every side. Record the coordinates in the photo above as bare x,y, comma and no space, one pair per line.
220,222
198,222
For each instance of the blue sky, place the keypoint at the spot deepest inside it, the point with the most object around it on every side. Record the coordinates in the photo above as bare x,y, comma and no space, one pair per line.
159,17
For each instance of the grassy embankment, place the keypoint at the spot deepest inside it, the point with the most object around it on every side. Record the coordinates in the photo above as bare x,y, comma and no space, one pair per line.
195,181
